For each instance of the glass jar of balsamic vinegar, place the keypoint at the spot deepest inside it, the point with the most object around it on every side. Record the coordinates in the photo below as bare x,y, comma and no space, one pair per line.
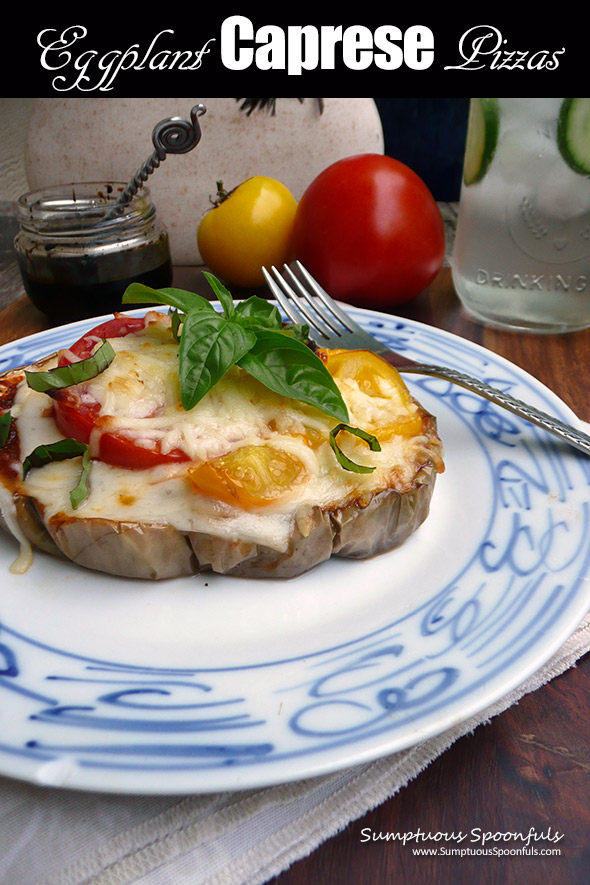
77,253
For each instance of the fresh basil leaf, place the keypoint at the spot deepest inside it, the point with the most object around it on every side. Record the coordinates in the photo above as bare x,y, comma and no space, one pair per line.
345,462
210,344
288,367
80,493
5,420
74,373
62,451
57,451
139,293
223,295
256,312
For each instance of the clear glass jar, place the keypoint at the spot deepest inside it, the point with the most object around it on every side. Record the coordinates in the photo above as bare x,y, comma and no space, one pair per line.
521,257
77,255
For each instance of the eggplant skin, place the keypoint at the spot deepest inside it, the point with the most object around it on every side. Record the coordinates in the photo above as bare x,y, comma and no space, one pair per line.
157,551
127,549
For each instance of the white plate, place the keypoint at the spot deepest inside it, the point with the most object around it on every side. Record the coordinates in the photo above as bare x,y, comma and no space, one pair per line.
211,683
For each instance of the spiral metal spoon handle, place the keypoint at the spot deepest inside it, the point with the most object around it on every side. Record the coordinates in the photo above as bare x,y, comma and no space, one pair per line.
175,135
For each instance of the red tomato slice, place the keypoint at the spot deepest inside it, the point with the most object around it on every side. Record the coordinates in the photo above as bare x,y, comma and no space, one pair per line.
118,327
77,419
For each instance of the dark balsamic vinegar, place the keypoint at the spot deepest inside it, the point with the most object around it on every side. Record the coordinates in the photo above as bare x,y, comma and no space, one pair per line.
73,295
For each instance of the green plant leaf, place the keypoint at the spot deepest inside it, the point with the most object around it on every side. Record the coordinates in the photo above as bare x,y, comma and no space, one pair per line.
80,493
139,293
62,450
345,462
210,345
297,330
291,369
57,451
222,294
5,421
258,313
74,373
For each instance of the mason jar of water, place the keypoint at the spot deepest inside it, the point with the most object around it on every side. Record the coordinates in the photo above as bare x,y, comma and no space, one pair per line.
521,257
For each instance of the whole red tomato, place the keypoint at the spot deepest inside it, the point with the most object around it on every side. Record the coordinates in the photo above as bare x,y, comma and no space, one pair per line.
370,231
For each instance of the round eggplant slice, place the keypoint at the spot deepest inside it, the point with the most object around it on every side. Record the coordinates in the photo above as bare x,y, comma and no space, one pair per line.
364,527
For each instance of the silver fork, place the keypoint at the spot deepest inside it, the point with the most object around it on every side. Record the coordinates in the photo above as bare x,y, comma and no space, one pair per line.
305,301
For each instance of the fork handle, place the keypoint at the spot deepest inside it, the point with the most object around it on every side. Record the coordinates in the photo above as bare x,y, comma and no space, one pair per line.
552,425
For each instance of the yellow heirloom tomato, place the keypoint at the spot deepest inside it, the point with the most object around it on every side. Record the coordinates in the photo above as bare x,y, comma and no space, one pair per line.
252,476
247,228
377,378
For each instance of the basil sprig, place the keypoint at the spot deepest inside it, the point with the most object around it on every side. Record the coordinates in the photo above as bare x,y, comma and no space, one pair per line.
345,462
249,334
74,373
62,450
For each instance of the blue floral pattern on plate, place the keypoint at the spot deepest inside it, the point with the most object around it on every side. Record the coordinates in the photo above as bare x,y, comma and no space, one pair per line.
208,684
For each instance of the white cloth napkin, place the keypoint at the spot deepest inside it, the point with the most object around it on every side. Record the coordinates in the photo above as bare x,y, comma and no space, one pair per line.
54,837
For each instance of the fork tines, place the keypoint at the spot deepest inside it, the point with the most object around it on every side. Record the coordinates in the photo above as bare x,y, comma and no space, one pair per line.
305,301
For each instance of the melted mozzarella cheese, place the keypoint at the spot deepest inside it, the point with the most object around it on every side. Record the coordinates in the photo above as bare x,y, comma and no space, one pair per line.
8,509
371,410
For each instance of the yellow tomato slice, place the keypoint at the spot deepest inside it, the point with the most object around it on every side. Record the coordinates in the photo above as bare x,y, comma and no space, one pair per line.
251,476
377,378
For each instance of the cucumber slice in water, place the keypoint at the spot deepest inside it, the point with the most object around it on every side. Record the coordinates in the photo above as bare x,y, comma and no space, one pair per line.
573,133
482,137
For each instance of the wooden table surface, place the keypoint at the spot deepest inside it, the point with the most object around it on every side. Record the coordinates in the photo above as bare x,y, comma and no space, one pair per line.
529,767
